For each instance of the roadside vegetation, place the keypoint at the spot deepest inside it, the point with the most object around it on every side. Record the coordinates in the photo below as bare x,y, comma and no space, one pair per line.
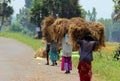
34,43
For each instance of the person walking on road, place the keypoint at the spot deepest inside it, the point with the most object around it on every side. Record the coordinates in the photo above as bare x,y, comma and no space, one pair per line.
86,57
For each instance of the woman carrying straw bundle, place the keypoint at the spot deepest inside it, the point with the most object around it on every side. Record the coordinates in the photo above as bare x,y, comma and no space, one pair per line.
66,55
87,46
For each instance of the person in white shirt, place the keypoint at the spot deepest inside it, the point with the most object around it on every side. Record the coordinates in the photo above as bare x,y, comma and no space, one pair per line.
66,63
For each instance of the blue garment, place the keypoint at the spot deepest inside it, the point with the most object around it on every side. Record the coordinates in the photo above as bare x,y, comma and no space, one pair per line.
53,51
86,49
53,56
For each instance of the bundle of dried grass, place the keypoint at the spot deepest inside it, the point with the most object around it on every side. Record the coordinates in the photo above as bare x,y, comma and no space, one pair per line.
97,30
46,28
77,30
60,27
80,28
40,53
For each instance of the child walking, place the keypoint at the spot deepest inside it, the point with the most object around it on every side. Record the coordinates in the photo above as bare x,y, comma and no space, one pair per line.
66,63
54,52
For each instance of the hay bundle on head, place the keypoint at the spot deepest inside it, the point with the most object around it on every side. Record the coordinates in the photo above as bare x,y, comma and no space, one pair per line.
81,28
98,32
77,20
46,28
60,27
77,30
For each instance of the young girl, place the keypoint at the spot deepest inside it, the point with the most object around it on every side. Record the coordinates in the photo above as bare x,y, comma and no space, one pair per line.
66,55
53,52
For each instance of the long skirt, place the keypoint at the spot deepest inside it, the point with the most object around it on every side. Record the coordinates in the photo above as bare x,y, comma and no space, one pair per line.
53,56
66,63
85,71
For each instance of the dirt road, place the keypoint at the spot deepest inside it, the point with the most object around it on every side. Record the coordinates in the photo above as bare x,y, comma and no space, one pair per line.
17,64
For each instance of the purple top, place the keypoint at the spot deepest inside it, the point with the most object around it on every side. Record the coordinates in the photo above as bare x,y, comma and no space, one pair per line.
86,48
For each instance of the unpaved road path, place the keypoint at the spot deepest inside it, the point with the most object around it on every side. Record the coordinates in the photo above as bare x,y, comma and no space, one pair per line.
17,64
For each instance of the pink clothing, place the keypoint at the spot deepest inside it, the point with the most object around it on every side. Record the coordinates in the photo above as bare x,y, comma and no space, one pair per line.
66,63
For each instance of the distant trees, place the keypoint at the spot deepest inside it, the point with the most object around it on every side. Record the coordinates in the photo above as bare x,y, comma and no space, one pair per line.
116,21
56,8
116,31
108,27
91,16
24,19
5,11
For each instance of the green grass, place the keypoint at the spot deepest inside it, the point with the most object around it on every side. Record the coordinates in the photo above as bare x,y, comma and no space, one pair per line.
105,68
34,43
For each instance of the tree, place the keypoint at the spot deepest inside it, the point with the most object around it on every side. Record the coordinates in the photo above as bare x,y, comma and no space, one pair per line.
56,8
108,28
91,16
6,11
28,3
116,13
24,18
116,31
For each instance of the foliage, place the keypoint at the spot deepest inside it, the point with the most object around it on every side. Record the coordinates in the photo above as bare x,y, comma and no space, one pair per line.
116,31
35,44
6,11
104,67
24,18
116,12
91,16
16,27
57,8
108,27
28,3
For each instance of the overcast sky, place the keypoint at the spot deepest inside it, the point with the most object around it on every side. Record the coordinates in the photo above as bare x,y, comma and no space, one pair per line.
104,8
17,4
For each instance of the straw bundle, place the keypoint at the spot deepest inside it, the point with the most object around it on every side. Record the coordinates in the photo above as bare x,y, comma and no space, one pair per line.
46,28
60,27
77,30
80,28
41,52
98,32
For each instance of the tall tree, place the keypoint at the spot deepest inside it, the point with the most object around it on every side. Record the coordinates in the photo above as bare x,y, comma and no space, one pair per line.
116,31
116,12
108,27
57,8
28,3
24,17
91,16
6,11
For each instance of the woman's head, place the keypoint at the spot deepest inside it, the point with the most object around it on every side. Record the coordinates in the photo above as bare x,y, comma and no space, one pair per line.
89,37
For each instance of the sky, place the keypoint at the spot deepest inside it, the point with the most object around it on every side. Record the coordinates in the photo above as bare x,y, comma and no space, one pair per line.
104,8
17,4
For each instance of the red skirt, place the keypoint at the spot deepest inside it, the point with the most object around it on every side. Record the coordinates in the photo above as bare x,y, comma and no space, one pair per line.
85,71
